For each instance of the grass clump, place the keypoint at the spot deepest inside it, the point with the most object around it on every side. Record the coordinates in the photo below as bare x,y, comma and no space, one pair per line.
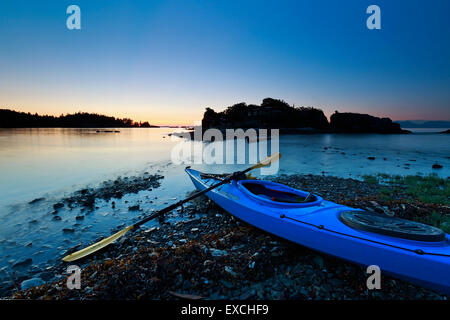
370,179
427,189
436,219
386,194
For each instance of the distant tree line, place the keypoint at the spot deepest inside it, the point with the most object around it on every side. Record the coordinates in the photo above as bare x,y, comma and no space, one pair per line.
14,119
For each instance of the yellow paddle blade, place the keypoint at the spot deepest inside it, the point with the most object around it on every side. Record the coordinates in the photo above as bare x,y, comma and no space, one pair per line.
267,161
96,246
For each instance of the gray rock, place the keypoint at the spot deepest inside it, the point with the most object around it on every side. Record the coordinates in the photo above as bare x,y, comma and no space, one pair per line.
23,263
229,270
217,252
36,200
56,206
33,282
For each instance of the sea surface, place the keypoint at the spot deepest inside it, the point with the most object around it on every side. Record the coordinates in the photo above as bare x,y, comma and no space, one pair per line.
53,163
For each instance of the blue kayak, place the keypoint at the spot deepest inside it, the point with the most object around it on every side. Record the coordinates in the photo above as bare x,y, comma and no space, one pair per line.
405,249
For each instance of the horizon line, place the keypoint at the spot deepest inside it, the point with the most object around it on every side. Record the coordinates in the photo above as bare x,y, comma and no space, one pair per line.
190,125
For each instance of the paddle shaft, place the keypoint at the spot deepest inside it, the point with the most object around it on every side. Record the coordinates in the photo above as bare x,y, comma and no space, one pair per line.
195,195
105,242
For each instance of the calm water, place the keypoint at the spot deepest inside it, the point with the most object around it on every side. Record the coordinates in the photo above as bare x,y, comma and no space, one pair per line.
51,163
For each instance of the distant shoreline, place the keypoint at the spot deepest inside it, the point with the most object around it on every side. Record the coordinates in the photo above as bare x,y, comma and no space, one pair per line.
417,124
15,119
103,129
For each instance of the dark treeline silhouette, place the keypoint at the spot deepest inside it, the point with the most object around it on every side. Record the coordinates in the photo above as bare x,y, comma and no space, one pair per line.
277,114
14,119
272,113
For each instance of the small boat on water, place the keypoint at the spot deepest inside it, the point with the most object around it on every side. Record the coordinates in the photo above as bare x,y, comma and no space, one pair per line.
405,249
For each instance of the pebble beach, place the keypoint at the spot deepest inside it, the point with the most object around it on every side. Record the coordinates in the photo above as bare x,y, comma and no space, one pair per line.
206,253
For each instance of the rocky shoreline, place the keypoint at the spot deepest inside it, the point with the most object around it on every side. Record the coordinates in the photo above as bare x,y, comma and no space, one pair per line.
25,271
209,254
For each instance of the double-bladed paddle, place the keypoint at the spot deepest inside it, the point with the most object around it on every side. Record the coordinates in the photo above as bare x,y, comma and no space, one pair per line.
103,243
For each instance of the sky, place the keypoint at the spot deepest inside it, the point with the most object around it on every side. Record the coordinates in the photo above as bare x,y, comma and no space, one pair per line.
166,61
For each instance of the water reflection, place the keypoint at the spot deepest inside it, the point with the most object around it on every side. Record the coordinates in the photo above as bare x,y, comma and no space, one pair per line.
50,163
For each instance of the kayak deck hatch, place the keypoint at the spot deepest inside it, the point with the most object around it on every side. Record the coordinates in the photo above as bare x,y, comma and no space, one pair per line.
391,226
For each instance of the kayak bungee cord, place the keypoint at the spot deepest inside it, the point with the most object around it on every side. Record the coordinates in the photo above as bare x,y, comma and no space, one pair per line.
321,227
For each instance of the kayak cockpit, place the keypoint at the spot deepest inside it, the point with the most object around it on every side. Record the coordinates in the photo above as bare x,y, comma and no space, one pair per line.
277,194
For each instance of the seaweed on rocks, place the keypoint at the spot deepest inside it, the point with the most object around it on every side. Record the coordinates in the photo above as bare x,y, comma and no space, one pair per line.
113,189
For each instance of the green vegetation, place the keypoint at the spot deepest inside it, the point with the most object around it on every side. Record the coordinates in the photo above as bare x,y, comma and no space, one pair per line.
436,220
370,179
427,189
387,194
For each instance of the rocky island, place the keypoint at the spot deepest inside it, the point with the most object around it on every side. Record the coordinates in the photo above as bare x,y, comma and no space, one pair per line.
362,123
277,114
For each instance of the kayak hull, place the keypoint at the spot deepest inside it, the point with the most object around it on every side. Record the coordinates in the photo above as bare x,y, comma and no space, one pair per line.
317,226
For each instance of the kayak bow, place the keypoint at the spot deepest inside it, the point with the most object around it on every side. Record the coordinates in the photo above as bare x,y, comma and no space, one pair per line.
404,249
